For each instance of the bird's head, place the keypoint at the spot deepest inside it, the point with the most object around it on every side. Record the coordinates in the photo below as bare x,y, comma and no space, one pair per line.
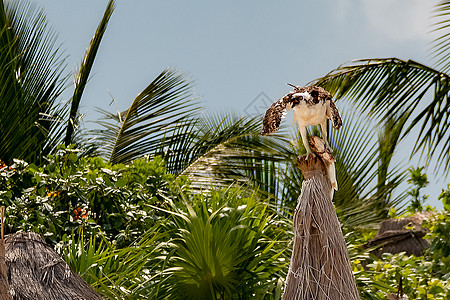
298,98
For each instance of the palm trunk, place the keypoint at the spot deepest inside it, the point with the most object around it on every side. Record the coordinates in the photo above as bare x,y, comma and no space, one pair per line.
320,266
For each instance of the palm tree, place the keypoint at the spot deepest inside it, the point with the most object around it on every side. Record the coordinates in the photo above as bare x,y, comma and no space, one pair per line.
388,87
33,120
215,150
225,245
82,75
209,149
164,119
31,81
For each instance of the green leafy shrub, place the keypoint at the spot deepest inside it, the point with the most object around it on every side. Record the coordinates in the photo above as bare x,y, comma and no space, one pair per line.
439,235
69,192
418,280
424,277
418,180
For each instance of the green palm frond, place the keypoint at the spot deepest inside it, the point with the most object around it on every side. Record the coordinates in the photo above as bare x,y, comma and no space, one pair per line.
209,149
390,177
83,74
364,171
114,273
441,45
356,156
31,79
289,175
230,148
179,153
386,87
152,122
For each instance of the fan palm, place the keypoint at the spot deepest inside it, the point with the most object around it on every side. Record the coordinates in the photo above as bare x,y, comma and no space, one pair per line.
224,246
115,273
384,87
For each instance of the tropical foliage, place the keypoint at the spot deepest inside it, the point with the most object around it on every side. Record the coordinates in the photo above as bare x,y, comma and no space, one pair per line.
70,193
415,274
440,245
134,230
31,80
228,245
171,242
166,201
386,88
164,120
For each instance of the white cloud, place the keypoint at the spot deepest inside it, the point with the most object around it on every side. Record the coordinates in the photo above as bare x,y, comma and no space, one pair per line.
399,20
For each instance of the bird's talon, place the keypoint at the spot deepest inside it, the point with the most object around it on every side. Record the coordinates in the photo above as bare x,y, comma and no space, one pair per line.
327,146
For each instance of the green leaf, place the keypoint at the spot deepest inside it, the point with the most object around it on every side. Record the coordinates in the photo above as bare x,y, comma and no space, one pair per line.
120,183
83,74
441,45
6,194
386,87
31,67
228,148
152,122
445,197
73,157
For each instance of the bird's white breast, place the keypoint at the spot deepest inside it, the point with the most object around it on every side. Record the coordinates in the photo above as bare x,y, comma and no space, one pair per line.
306,114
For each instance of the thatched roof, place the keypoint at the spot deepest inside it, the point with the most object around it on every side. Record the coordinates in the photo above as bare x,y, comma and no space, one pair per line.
396,237
36,271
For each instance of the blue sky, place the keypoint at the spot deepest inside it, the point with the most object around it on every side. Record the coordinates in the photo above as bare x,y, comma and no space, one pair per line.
236,50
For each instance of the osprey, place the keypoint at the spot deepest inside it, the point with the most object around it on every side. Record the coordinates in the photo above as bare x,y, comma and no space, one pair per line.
312,105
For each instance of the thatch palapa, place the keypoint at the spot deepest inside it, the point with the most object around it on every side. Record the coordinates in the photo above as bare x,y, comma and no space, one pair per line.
37,272
401,235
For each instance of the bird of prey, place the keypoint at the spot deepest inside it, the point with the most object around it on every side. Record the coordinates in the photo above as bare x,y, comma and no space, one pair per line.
312,105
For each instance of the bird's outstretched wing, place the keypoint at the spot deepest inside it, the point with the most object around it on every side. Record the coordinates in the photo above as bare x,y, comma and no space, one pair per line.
272,119
333,115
